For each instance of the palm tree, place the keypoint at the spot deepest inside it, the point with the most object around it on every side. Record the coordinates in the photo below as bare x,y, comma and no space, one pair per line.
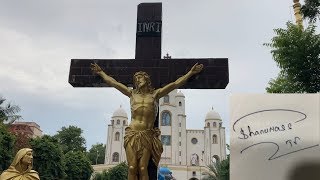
212,174
8,112
218,170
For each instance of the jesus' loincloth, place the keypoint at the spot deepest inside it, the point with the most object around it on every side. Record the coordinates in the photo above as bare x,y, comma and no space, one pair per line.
139,140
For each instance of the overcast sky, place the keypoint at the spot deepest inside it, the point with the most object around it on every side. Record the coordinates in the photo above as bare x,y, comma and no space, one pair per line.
38,39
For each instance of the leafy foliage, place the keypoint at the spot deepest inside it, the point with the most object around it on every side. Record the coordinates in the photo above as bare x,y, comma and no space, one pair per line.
6,147
219,170
213,172
97,153
224,169
48,158
297,53
71,139
78,166
119,172
62,156
102,176
311,10
22,141
8,112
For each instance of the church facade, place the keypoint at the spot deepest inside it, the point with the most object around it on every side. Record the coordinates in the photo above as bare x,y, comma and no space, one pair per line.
186,152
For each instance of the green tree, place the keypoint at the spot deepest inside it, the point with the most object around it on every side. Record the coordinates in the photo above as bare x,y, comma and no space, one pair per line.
78,166
97,153
8,112
102,176
224,169
119,172
311,10
48,158
6,147
297,54
71,139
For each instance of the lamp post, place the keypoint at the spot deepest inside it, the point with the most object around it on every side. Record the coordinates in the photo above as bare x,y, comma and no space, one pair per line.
97,157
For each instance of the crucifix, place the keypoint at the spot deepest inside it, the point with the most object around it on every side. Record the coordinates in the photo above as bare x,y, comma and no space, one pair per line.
214,74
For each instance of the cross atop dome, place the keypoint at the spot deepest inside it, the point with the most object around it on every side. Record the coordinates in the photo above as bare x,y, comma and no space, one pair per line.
167,56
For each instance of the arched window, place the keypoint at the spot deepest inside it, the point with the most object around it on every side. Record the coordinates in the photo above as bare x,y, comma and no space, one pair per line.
115,157
214,139
118,121
215,159
166,140
165,119
166,99
124,122
180,103
117,136
220,124
208,124
214,124
112,122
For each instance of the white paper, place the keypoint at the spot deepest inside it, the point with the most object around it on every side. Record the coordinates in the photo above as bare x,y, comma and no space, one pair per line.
274,136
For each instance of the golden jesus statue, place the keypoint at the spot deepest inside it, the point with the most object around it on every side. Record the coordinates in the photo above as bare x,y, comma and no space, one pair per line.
141,139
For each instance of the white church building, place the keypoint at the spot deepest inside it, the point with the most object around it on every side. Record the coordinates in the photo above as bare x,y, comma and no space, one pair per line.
186,152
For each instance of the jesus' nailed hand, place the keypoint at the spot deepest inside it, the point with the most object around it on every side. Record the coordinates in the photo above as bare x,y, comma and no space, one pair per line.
141,140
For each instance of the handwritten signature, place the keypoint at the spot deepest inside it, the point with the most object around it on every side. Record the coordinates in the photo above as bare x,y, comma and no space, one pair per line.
275,156
250,133
270,110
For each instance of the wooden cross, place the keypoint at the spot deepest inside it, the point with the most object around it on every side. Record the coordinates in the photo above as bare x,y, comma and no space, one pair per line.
148,58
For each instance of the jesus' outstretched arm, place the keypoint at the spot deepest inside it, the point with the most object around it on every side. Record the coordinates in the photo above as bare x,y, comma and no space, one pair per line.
179,82
109,80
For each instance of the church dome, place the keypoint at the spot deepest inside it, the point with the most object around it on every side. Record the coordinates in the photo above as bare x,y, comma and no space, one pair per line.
212,115
180,94
120,113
